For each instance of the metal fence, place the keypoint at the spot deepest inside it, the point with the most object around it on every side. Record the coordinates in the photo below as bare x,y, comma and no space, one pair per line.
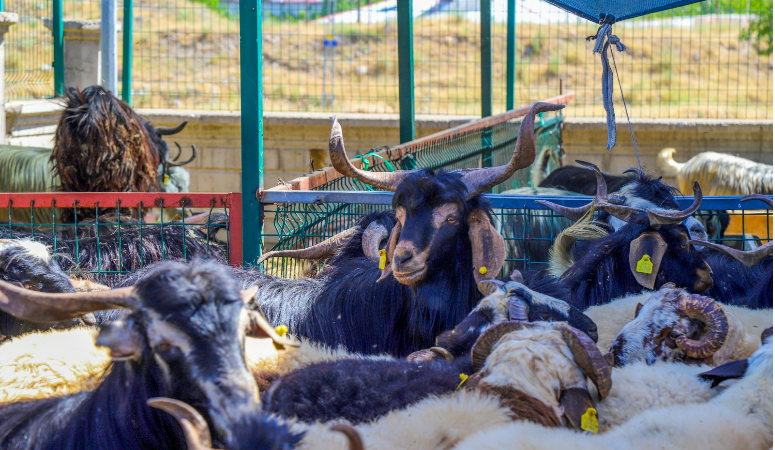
118,239
331,55
303,218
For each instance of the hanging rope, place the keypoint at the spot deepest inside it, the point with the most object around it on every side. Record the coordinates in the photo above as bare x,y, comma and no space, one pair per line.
621,91
604,40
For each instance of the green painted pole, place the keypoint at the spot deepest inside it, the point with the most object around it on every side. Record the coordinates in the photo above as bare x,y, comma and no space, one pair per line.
511,55
252,128
59,50
485,8
126,75
2,5
405,70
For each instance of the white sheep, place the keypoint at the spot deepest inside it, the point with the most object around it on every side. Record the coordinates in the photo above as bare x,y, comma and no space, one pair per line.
738,418
746,325
719,173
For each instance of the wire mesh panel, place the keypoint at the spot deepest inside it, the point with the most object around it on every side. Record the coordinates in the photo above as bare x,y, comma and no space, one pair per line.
108,236
529,230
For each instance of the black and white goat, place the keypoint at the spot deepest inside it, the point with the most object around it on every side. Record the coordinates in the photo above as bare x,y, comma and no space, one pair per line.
183,339
443,244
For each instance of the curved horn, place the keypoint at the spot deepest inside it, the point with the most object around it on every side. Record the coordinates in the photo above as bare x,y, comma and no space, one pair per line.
485,343
634,170
178,164
670,217
747,258
371,239
765,198
388,181
518,309
168,131
321,250
482,179
352,435
180,152
46,307
194,426
710,313
573,214
587,357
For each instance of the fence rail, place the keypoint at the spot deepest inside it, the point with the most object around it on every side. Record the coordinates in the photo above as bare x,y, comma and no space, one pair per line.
690,62
303,218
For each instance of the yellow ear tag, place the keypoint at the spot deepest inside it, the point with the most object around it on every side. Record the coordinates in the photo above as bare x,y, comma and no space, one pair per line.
482,270
463,378
166,178
382,259
282,330
644,265
589,420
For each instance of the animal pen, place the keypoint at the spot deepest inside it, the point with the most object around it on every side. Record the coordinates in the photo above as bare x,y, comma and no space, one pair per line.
316,206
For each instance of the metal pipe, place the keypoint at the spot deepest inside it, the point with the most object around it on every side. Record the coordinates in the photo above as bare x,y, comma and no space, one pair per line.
252,127
404,12
126,66
59,49
511,55
109,46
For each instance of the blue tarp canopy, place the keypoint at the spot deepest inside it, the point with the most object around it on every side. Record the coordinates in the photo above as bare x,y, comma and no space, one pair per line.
619,9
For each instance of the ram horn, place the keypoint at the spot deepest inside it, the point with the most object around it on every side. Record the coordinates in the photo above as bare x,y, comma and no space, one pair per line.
481,180
671,217
36,306
388,181
765,198
353,437
179,164
430,355
180,152
574,214
588,357
485,343
169,131
321,250
372,237
259,327
195,428
747,258
634,170
712,315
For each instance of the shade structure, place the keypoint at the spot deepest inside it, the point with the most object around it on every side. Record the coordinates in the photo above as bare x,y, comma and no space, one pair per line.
618,9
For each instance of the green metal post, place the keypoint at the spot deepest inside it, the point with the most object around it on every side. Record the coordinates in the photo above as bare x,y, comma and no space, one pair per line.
485,8
2,5
405,69
59,50
126,75
511,56
252,127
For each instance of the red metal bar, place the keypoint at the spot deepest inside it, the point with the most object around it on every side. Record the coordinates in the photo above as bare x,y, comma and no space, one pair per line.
235,229
109,199
329,174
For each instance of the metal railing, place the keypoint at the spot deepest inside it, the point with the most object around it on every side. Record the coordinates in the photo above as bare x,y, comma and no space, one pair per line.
303,218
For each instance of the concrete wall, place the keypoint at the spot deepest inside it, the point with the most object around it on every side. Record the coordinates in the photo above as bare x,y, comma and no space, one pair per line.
291,139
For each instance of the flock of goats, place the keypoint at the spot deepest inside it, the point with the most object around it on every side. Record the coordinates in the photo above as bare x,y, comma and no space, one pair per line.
641,333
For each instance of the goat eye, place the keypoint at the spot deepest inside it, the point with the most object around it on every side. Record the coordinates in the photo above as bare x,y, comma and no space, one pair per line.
163,347
674,335
683,247
451,220
28,285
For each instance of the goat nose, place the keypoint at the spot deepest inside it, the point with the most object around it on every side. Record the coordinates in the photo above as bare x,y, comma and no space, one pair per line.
401,256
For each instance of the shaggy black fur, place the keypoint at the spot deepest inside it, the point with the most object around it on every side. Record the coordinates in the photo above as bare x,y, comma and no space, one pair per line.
357,390
343,304
582,180
19,266
601,271
735,284
203,302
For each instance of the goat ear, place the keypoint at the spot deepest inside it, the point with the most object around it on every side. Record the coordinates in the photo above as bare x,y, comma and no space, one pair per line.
575,402
637,309
248,294
647,251
259,327
121,338
391,247
488,248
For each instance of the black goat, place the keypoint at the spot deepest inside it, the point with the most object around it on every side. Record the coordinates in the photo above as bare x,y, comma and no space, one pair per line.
29,264
654,244
183,339
740,277
581,180
442,246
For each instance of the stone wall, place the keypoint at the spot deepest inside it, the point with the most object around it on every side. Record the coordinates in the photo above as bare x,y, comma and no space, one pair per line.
291,139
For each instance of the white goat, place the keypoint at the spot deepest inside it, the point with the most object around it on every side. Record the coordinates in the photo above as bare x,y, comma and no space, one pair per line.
719,173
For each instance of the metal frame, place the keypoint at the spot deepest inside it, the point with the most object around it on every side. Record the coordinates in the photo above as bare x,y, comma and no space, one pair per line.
405,70
126,65
231,200
58,29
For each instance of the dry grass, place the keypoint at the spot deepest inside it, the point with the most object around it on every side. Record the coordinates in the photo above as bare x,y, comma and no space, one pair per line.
187,56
